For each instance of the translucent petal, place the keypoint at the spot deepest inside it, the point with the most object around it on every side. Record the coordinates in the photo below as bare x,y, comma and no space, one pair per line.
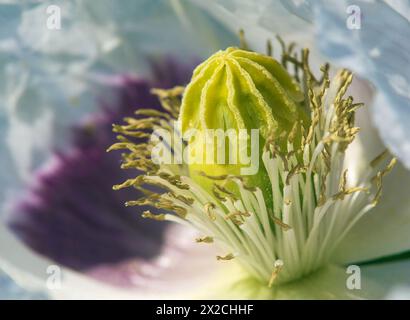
51,77
393,276
378,51
385,230
261,20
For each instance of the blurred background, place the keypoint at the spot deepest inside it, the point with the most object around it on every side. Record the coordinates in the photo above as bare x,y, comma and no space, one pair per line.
10,290
69,69
66,67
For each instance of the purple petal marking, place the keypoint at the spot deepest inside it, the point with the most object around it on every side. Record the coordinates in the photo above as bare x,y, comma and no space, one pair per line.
70,212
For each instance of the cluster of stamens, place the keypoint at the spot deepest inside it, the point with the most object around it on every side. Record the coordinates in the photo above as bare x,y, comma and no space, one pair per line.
314,203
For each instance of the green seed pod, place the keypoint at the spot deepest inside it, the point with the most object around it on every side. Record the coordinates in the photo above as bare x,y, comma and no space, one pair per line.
238,89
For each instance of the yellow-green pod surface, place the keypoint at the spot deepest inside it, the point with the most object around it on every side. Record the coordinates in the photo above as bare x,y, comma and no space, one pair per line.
238,89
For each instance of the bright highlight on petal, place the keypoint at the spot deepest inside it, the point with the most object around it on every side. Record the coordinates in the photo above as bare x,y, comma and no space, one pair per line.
312,204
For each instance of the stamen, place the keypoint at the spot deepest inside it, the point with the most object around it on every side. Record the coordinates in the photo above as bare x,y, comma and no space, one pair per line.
208,207
269,50
158,217
376,161
280,223
205,240
227,257
277,267
242,42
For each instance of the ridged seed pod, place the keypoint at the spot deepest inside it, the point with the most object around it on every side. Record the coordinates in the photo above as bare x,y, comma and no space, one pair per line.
238,89
242,90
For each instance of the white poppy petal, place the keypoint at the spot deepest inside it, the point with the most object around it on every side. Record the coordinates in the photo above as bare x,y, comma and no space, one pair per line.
50,76
261,20
385,230
394,277
375,45
181,278
225,281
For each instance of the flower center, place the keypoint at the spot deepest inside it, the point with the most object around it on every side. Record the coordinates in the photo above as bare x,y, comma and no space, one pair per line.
314,199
